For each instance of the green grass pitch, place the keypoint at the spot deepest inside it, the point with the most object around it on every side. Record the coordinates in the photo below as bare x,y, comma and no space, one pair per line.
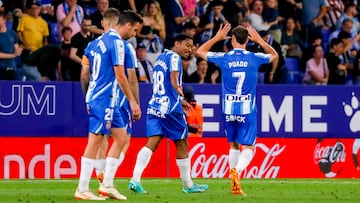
168,191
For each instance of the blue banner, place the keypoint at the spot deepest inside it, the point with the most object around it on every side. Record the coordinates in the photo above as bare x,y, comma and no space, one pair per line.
292,111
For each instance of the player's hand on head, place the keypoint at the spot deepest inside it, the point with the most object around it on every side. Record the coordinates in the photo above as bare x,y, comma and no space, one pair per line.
222,33
253,34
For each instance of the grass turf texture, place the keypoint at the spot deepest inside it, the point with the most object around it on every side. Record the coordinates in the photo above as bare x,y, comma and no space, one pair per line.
169,191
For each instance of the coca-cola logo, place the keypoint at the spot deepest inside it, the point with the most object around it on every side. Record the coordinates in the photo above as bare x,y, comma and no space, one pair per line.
327,155
216,166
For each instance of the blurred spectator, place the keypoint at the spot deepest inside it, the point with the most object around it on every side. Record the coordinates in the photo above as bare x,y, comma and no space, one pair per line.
271,14
66,63
69,14
32,32
2,8
334,11
356,73
9,50
346,26
317,72
315,40
190,29
349,55
97,17
189,7
78,43
291,9
210,24
337,71
194,117
144,70
189,65
175,18
311,19
350,13
47,11
201,7
152,33
275,72
256,18
32,29
232,10
292,40
46,60
200,75
17,14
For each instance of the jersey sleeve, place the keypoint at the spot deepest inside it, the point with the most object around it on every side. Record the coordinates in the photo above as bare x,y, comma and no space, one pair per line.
118,55
175,63
215,57
262,58
130,57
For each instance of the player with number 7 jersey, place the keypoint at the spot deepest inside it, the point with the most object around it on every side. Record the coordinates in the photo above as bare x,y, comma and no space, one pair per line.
239,69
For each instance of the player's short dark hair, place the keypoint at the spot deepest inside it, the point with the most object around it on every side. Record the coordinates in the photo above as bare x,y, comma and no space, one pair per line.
182,37
240,33
112,14
129,16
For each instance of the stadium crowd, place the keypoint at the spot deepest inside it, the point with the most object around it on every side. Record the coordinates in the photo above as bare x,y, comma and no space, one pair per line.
317,40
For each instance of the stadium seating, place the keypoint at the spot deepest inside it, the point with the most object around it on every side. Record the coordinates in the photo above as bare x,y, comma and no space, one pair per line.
295,75
54,35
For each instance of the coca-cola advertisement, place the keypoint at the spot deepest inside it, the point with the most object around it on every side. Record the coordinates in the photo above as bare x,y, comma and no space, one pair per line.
274,158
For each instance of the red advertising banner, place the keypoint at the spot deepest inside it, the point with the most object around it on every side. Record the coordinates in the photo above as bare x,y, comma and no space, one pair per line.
24,157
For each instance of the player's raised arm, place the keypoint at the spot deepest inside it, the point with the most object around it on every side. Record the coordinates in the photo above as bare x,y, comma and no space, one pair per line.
222,34
255,37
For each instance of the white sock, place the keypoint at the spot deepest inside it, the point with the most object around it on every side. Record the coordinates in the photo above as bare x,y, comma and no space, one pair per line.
142,160
184,168
87,167
233,157
121,158
244,159
111,167
99,166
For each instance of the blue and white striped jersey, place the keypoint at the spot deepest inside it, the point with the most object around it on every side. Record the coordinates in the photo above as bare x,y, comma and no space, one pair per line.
239,69
104,53
165,99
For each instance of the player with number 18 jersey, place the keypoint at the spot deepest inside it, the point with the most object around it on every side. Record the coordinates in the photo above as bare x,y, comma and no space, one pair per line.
165,103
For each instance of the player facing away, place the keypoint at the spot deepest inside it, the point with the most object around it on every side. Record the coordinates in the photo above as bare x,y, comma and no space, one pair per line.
129,22
103,60
239,70
165,115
